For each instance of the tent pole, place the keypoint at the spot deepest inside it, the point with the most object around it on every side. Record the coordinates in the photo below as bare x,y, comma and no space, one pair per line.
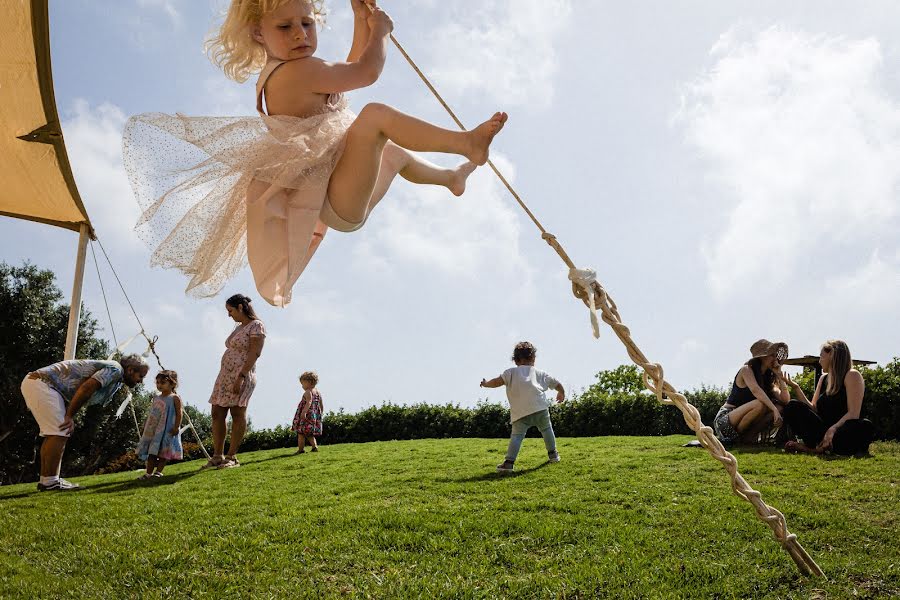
75,307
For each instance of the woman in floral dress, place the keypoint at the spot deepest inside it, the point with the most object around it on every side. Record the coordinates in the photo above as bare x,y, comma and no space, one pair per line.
236,381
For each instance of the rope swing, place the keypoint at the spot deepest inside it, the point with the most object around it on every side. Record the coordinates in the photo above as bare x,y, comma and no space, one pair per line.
586,288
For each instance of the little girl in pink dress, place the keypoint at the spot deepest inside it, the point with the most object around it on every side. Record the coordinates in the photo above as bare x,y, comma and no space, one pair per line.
308,418
217,192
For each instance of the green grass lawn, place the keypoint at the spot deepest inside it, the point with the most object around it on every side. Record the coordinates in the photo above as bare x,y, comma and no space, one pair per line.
619,517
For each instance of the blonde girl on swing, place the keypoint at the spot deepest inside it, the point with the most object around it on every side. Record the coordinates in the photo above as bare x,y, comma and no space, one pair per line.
305,165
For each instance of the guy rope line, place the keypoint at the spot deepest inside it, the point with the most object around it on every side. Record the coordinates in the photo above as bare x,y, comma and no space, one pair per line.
112,327
151,345
586,288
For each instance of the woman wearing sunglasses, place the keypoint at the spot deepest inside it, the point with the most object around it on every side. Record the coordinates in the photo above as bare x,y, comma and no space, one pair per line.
758,394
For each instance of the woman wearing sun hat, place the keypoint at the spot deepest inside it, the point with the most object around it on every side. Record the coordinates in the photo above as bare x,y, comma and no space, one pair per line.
832,420
758,394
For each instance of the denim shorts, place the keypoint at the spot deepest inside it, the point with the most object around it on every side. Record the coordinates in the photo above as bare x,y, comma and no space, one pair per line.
722,426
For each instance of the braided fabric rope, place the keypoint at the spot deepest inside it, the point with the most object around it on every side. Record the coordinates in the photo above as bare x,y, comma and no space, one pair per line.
586,288
593,295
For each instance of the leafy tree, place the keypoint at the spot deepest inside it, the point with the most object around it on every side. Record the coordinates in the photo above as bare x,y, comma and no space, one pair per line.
625,379
202,423
32,335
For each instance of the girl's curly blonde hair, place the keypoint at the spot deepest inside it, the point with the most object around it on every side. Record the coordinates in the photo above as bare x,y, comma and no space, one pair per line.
310,376
232,47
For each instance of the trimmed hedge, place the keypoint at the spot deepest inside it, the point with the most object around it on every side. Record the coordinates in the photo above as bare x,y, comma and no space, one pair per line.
615,405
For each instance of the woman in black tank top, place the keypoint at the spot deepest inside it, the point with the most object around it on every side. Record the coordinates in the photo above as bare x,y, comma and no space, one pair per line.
758,394
832,420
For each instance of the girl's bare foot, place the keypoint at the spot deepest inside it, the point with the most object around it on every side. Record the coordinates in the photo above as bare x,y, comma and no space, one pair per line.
482,136
458,177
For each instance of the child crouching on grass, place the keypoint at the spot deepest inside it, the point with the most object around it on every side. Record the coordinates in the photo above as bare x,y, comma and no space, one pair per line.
525,387
161,441
308,418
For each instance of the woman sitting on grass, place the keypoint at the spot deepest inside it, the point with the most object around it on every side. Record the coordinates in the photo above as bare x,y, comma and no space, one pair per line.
832,420
758,394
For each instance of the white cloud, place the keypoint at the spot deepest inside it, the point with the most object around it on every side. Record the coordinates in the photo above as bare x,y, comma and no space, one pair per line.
502,48
226,98
466,237
165,6
322,307
94,145
213,325
803,143
693,347
874,287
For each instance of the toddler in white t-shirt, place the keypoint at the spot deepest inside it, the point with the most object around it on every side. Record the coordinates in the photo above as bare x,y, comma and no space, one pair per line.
525,387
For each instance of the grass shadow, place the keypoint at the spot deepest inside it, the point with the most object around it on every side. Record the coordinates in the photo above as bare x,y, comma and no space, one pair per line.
118,486
738,448
34,492
846,456
276,457
493,475
112,486
754,449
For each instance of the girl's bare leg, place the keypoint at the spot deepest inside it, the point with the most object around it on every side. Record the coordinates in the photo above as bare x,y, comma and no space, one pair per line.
415,169
354,180
312,442
161,464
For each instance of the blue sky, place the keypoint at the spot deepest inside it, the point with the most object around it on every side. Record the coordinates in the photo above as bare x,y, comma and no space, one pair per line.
729,169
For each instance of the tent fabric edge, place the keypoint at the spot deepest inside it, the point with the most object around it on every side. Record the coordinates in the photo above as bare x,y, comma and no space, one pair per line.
40,31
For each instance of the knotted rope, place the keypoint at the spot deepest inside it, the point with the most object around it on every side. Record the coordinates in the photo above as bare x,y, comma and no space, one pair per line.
586,288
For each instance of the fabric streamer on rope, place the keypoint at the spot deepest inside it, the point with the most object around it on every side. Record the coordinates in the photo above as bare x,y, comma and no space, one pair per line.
151,349
128,401
586,288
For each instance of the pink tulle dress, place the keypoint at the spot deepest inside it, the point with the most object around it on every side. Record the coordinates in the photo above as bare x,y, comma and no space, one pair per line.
219,192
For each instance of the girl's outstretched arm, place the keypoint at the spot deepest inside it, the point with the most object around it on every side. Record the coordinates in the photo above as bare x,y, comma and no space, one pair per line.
324,77
360,28
492,383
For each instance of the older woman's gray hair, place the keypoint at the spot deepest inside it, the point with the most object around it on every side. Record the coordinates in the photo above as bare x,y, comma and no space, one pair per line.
135,361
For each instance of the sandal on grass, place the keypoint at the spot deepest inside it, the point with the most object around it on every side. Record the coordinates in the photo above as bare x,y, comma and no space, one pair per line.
213,463
793,446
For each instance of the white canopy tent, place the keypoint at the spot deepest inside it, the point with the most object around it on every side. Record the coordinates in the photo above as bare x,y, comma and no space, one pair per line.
37,183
